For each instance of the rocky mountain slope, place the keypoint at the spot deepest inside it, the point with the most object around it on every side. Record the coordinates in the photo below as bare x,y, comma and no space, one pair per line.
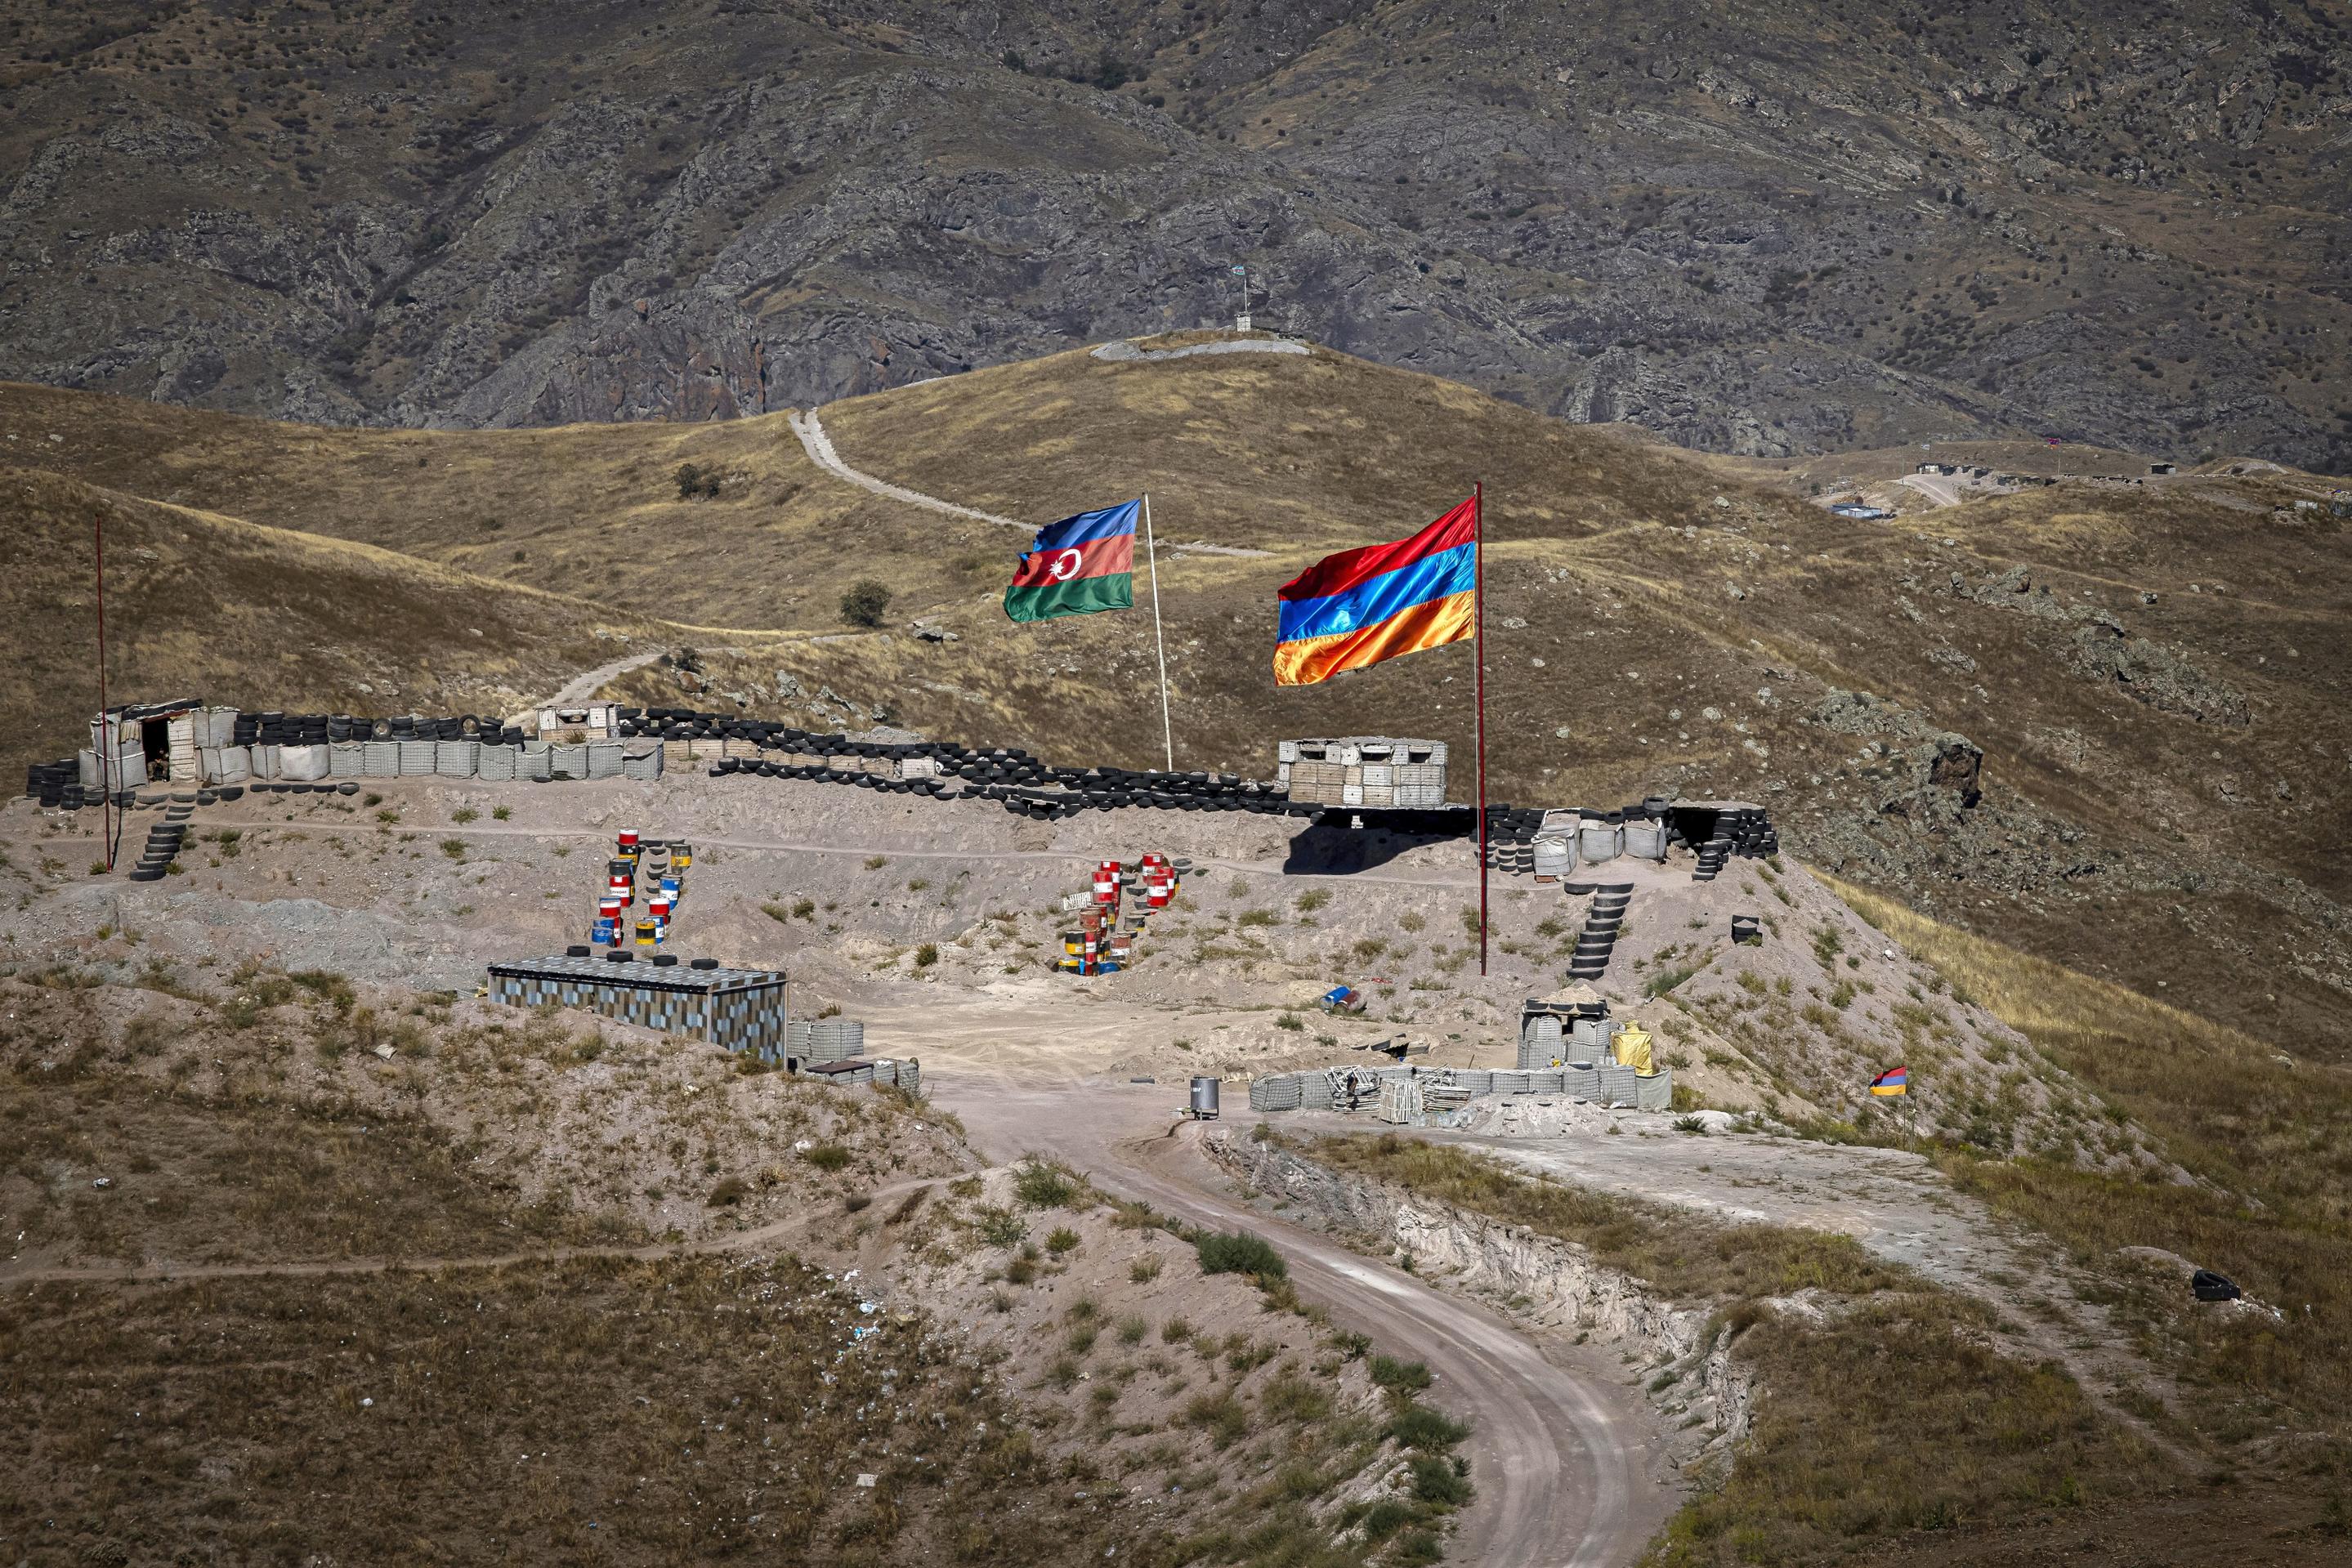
1755,229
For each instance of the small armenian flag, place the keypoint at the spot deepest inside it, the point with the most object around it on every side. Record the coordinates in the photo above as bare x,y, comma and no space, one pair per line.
1894,1080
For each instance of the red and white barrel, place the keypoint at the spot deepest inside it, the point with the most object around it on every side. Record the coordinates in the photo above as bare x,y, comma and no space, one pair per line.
628,841
1106,883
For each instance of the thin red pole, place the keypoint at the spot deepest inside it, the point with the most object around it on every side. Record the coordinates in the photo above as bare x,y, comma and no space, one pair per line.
105,779
1478,635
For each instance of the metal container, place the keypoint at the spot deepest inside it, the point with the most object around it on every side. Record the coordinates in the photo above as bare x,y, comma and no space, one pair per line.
1205,1099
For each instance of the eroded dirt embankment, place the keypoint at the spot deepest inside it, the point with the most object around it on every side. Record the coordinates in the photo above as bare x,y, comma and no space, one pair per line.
1548,1284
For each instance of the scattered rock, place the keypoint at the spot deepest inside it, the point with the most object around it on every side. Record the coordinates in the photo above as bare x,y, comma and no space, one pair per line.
2156,676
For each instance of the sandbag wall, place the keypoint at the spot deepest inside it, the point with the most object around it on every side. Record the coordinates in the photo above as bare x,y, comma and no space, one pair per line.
1357,1088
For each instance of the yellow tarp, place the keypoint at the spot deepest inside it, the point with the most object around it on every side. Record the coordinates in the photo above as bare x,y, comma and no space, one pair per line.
1633,1048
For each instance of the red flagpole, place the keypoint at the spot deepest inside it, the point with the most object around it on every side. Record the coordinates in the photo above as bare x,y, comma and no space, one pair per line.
1478,635
106,747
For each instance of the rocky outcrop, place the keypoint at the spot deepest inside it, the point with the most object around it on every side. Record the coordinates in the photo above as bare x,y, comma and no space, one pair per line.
1539,1278
1919,769
2151,673
2101,647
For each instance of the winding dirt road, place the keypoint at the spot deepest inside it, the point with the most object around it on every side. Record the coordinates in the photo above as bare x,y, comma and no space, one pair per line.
1567,1466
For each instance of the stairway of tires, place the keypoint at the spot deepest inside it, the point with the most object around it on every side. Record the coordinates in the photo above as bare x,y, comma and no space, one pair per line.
1603,921
163,842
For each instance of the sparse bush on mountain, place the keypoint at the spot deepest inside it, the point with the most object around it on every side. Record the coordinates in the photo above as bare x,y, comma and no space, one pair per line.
864,604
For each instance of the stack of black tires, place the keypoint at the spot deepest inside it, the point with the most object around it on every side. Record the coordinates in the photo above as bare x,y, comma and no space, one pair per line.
162,846
1606,918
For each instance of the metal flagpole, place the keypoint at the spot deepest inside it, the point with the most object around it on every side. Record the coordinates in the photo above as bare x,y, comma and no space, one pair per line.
1478,635
1158,641
105,741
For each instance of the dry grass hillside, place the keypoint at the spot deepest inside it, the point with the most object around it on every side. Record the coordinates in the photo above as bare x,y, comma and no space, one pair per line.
652,1288
210,604
2151,677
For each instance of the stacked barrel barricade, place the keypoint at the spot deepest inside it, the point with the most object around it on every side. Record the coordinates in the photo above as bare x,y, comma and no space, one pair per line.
1104,942
661,866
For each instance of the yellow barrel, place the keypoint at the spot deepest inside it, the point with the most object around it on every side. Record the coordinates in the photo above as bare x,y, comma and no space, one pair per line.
645,933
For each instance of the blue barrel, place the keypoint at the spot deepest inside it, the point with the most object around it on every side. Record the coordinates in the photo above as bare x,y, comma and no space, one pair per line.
606,932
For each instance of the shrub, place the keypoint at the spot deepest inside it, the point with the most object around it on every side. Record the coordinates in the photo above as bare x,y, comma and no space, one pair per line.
1291,1397
827,1156
1062,1240
864,604
454,848
1291,1022
1416,1426
1144,1269
501,813
730,1190
1665,980
1439,1482
1043,1184
1131,1329
1002,1228
1419,1548
1222,1417
1313,900
1239,1252
1401,1377
694,480
927,955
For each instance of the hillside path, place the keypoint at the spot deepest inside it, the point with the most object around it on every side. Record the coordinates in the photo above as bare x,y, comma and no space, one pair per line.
730,1241
1568,1468
820,450
582,687
819,447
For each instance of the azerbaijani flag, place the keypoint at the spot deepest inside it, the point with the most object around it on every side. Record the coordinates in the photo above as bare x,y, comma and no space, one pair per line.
1077,566
1894,1080
1354,608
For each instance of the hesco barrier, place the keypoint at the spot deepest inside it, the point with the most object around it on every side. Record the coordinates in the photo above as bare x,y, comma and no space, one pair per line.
1353,1088
215,746
738,1009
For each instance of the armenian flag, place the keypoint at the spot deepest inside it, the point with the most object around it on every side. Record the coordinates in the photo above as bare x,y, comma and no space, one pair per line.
1077,566
1362,606
1894,1080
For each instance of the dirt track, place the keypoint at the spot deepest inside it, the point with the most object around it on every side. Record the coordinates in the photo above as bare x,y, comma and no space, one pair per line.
1565,1458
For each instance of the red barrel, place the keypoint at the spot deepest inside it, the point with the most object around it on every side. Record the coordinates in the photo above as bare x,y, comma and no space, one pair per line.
628,839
